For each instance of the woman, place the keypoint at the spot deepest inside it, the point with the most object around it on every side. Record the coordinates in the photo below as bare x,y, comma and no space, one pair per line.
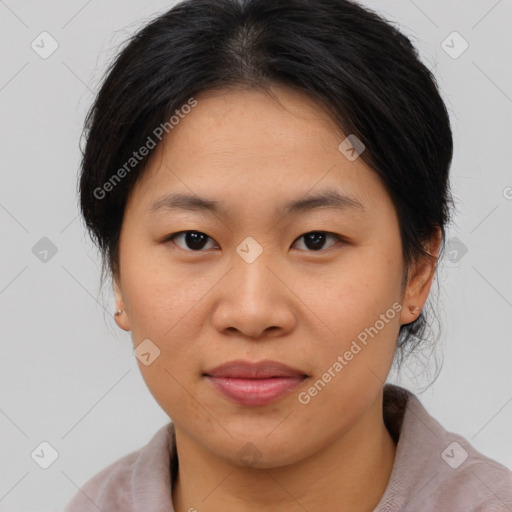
268,184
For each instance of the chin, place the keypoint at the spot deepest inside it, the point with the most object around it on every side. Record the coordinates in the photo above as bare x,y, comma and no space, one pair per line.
260,452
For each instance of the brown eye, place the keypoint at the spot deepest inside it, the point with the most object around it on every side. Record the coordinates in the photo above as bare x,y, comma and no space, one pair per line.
190,240
315,240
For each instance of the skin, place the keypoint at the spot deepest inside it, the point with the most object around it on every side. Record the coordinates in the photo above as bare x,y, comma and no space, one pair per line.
293,304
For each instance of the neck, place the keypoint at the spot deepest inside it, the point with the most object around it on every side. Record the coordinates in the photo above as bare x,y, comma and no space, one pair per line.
350,473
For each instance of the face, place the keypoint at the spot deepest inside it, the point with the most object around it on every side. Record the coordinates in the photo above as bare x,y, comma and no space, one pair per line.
299,262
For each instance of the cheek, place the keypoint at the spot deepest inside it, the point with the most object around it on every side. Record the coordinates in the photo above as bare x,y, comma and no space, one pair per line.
164,309
168,381
160,297
359,301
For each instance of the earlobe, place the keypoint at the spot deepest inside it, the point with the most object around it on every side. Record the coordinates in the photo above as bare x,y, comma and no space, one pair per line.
120,315
121,319
420,280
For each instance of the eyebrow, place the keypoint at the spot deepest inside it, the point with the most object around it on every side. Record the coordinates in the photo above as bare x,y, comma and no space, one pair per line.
328,198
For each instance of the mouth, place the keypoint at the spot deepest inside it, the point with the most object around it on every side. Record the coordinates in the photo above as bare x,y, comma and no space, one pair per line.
248,383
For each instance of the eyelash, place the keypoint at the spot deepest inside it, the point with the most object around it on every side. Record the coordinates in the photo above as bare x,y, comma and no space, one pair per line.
171,237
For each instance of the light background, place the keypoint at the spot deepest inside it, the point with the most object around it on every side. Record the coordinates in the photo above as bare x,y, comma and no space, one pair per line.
68,374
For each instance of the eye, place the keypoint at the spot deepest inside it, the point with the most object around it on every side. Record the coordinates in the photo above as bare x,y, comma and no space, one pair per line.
315,240
193,240
196,240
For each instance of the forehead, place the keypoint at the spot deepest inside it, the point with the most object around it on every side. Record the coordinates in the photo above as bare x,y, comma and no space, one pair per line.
253,145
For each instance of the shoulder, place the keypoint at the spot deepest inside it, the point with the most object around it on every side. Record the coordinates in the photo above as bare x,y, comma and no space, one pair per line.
111,486
466,476
118,487
436,469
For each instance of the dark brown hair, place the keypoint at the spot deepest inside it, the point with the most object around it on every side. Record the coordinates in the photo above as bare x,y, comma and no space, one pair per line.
349,59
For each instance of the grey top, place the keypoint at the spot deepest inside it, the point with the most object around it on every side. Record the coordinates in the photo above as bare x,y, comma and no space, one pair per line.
434,470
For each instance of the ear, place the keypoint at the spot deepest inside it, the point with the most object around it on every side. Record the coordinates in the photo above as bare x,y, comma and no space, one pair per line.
419,281
122,320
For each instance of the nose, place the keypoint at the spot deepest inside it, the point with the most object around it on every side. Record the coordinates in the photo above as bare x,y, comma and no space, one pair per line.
255,301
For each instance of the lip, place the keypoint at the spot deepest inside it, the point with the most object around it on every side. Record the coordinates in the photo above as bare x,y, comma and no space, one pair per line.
259,383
